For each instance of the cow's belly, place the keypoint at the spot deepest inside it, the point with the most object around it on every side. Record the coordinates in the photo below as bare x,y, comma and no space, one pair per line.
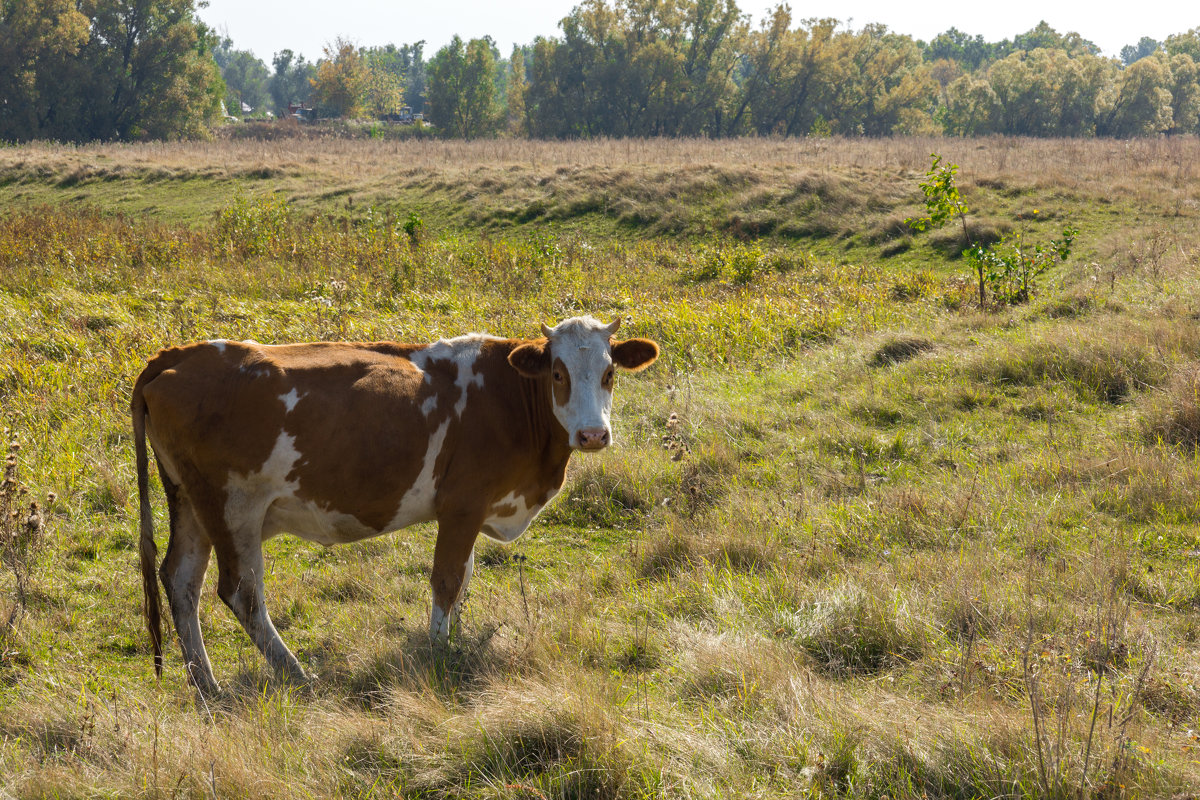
309,521
510,517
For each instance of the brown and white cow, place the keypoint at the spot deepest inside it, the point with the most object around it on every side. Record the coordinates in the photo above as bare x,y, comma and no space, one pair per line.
335,442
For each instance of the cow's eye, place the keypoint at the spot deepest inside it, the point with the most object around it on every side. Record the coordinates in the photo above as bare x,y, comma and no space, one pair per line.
558,376
608,377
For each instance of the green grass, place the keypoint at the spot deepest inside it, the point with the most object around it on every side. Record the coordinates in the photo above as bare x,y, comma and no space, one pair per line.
857,539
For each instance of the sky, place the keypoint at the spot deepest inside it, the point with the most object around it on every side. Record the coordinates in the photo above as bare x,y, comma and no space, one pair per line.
306,26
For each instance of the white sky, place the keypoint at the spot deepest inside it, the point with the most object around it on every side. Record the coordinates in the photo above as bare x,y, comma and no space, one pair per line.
305,26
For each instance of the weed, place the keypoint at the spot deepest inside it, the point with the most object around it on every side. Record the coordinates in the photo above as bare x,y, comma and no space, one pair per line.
22,538
1080,704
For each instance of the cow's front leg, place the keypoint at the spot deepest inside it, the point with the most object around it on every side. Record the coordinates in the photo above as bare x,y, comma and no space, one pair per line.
453,562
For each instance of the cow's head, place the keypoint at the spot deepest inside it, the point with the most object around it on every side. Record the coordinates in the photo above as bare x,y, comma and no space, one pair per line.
578,356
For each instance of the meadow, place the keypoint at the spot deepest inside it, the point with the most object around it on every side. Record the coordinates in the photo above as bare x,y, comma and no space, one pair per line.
859,538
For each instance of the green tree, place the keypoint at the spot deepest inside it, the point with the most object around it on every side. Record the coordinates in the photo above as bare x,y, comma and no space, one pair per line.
1138,103
291,82
1145,47
246,78
1185,44
547,94
972,107
147,72
462,88
789,75
339,88
1185,94
384,90
1043,37
37,39
638,68
107,69
518,123
882,84
405,67
1048,92
954,45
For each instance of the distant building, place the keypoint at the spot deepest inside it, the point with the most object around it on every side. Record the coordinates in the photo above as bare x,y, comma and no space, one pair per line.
301,111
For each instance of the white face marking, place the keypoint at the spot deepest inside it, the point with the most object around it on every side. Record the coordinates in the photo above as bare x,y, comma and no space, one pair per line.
583,344
429,405
290,399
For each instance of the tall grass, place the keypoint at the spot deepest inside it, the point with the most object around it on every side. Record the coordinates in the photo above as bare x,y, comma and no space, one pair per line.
857,538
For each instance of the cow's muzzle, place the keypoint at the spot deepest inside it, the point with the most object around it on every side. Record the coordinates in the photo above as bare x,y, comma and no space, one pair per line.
593,438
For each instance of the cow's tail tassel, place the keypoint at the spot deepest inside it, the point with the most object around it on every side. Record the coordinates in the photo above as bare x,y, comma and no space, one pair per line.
149,552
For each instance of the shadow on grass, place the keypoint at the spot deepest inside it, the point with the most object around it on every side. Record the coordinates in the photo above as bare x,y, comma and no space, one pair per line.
419,665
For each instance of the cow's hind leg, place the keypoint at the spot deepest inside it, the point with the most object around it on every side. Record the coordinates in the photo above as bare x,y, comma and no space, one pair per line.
182,574
240,585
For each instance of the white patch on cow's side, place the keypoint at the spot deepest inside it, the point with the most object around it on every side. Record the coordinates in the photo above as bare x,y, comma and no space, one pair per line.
255,371
290,400
249,496
429,405
417,503
507,527
219,344
309,521
463,351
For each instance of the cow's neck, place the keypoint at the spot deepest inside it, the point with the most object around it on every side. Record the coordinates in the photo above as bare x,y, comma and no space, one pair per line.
544,433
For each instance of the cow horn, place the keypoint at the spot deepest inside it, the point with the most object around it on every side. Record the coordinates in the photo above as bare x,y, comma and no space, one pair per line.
547,331
614,327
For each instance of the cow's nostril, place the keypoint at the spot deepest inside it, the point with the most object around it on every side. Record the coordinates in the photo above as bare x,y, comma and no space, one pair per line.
593,438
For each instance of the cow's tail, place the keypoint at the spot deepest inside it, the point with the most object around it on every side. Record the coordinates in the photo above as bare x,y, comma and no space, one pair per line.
152,597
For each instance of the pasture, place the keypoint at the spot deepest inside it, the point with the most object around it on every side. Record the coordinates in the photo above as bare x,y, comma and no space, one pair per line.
859,537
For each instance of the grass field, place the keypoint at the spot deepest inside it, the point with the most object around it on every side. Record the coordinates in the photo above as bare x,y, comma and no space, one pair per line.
859,538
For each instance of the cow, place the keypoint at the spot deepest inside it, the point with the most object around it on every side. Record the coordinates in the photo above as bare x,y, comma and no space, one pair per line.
336,442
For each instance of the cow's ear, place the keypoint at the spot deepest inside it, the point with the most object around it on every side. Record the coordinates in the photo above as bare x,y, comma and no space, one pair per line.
531,359
634,354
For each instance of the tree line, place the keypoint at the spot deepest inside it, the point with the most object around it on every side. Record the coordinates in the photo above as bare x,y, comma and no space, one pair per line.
127,69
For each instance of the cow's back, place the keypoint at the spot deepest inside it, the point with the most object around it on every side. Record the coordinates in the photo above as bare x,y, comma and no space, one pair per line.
337,426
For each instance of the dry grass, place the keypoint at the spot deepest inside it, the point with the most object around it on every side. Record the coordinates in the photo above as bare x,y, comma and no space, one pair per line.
1059,162
816,565
665,183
